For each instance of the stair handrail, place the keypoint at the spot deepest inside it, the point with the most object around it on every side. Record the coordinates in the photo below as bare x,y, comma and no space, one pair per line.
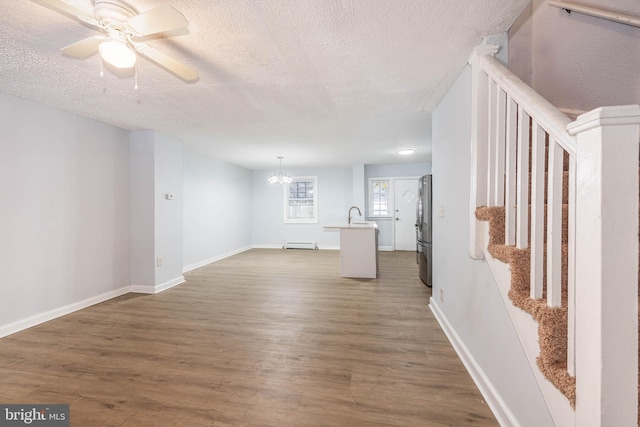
545,113
596,12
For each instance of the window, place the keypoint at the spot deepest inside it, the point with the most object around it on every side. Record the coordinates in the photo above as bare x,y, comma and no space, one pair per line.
301,200
380,197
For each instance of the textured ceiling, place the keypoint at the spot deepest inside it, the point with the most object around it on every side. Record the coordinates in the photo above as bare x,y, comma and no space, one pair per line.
320,82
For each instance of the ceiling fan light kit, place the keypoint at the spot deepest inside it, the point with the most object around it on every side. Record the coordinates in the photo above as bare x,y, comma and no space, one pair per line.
117,54
123,26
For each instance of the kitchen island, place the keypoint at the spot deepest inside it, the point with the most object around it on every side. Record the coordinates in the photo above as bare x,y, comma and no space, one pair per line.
358,249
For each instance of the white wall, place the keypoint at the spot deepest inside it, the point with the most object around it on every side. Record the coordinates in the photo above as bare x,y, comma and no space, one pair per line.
472,303
577,61
520,45
335,196
386,225
217,209
64,221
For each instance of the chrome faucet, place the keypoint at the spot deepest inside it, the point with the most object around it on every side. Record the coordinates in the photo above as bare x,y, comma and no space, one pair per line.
356,208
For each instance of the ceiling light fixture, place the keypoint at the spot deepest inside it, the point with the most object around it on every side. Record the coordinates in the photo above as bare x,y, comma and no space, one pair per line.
117,53
280,176
406,151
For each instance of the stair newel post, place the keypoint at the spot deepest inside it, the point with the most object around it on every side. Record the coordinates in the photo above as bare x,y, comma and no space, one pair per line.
479,145
606,266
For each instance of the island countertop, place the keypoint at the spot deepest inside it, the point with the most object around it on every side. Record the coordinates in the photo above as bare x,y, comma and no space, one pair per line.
355,224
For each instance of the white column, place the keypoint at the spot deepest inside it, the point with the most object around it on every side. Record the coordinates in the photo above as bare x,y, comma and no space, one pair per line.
155,180
142,263
479,135
606,266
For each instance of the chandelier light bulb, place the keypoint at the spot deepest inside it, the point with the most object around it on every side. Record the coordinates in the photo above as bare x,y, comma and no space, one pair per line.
280,176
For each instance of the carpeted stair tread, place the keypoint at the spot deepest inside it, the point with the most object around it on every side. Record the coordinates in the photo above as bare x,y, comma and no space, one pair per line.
552,322
496,217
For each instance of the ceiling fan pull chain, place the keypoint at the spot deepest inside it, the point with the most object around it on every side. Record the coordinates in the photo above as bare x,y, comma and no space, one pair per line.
102,79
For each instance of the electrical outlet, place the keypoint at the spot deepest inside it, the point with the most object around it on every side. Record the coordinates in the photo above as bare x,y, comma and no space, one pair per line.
441,295
159,261
441,212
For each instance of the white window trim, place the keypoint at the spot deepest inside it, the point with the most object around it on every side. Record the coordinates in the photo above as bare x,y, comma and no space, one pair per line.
313,220
390,199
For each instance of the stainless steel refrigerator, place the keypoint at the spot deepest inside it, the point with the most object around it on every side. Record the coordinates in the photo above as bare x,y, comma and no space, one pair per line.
424,229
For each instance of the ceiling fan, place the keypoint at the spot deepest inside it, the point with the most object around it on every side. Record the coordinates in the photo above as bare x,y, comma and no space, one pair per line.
123,28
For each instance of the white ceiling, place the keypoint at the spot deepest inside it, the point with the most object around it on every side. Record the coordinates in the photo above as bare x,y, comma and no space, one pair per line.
320,82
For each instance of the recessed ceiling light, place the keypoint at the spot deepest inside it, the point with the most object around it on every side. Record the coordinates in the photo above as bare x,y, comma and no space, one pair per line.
406,151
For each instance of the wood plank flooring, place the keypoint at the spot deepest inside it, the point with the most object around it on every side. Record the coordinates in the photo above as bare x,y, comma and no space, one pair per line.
264,338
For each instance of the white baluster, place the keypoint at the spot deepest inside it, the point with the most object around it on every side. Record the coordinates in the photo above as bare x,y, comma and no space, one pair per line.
537,210
510,195
501,131
491,142
554,225
522,186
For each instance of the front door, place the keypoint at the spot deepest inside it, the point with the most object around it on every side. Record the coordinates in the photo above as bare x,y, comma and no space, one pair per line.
405,194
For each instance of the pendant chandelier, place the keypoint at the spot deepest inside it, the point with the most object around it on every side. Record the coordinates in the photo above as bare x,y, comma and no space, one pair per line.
280,176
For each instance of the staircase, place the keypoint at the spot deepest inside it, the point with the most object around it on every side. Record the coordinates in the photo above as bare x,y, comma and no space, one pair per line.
554,211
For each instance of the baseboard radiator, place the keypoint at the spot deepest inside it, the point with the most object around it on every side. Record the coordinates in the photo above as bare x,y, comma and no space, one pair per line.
300,245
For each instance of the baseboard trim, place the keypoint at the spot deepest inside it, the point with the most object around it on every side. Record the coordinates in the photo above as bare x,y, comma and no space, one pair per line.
498,406
320,247
199,264
32,321
329,248
150,289
266,246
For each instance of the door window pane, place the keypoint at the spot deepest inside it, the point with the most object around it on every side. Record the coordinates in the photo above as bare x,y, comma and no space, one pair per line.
379,205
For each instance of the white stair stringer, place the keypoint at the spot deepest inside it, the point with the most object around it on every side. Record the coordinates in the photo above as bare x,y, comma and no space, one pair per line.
527,330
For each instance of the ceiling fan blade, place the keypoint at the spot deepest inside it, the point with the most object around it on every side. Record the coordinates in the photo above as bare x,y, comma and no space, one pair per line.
84,48
167,62
158,20
64,8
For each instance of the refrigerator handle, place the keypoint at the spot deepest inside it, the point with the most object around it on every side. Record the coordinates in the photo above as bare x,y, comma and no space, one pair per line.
419,211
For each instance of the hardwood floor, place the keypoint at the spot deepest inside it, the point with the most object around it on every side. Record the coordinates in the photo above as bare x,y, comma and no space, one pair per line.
264,338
